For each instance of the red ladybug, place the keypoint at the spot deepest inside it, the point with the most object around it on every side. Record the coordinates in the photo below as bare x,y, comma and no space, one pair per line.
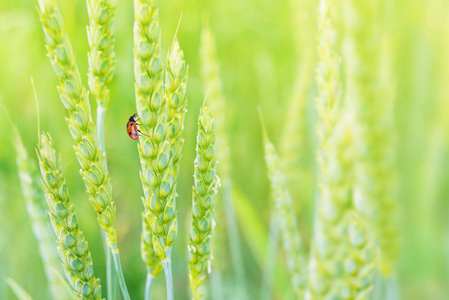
131,127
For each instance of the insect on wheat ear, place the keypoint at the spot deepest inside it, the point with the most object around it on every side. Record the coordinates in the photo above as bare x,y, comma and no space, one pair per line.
131,127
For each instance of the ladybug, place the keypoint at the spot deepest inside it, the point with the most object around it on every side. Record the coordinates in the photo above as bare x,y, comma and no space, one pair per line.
131,127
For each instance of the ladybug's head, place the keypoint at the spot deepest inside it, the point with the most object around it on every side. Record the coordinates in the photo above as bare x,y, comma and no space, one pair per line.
133,118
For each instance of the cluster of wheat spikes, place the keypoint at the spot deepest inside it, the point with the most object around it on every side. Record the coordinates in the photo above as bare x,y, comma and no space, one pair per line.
355,157
89,148
355,220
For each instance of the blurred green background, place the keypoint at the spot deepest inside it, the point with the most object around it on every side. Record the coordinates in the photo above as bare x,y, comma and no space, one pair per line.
255,47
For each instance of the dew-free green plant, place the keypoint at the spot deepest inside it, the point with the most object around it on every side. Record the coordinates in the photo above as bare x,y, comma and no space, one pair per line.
370,90
291,238
160,145
38,212
175,86
101,58
294,136
149,257
328,102
203,202
101,38
334,161
358,264
336,201
75,99
225,211
72,246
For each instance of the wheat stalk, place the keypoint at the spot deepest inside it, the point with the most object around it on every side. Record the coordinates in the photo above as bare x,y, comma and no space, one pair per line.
210,71
324,279
75,99
328,101
294,136
336,174
38,213
101,58
203,201
72,246
157,172
149,257
291,238
370,87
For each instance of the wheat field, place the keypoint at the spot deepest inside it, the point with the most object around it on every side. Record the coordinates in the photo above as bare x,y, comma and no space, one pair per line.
293,149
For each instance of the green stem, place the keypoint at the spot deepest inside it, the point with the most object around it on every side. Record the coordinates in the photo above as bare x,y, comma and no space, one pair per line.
110,274
216,285
101,112
168,277
148,285
234,241
271,256
120,277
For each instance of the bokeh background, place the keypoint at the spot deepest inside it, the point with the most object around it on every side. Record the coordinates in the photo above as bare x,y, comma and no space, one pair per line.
256,50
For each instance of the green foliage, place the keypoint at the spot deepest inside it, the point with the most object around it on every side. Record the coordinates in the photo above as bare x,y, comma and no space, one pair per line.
72,246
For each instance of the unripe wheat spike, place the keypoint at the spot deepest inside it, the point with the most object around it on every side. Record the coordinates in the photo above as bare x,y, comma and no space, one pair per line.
72,246
75,99
38,211
204,191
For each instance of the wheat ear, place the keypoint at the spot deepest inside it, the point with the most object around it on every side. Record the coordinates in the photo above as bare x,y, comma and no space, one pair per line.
157,174
203,202
72,246
101,38
38,212
291,238
370,87
75,99
175,85
358,265
225,211
101,58
149,257
294,140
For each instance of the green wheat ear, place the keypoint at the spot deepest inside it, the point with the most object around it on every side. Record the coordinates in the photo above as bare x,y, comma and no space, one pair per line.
149,257
176,74
157,175
101,37
324,278
294,139
75,99
72,246
370,85
38,212
203,202
358,265
291,238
